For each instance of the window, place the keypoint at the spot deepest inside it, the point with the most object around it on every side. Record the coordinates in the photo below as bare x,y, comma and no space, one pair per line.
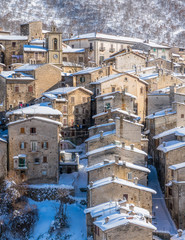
72,46
170,191
126,79
65,109
83,121
101,59
22,162
13,53
76,110
55,47
22,145
141,90
36,160
107,105
97,91
32,130
11,106
45,145
97,230
84,99
33,146
45,160
125,196
129,176
65,121
44,173
64,59
113,89
30,89
182,115
81,59
72,100
16,89
91,46
82,79
13,44
22,130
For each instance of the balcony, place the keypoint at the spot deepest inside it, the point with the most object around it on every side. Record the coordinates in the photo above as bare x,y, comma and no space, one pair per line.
102,49
112,50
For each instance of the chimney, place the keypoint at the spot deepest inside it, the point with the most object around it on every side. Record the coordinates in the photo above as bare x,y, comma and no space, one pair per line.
59,96
123,145
124,164
136,180
91,184
147,220
180,232
77,158
132,146
110,120
164,144
105,161
117,159
101,135
113,177
106,219
131,207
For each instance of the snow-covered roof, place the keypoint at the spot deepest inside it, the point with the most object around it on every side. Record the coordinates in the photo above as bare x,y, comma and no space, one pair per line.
71,64
69,49
112,146
120,181
66,90
37,109
107,78
177,237
177,166
112,93
101,125
178,131
11,75
68,141
33,48
117,220
96,35
87,70
148,76
3,140
121,163
35,118
38,41
13,37
28,67
97,136
155,45
162,113
170,146
113,207
117,110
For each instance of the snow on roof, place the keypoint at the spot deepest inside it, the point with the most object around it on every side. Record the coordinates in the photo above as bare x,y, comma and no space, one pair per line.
148,76
28,67
96,35
35,118
178,131
120,181
112,93
155,45
87,70
170,146
13,37
117,220
107,78
102,125
36,109
68,141
162,113
11,75
97,136
111,146
37,41
121,163
113,207
69,49
66,90
176,236
71,64
33,48
116,110
3,140
177,166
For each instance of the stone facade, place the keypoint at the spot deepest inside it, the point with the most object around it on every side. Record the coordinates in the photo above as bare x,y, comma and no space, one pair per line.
32,29
33,151
3,158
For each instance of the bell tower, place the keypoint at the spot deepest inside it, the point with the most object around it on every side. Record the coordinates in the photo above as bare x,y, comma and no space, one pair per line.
54,46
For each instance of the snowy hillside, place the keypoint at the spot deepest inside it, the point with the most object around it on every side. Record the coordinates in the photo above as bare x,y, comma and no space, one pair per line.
161,20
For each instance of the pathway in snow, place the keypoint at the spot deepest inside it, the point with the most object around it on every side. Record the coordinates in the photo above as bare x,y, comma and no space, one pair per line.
162,220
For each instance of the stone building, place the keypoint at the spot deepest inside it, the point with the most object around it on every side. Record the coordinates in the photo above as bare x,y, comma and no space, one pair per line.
113,189
126,60
175,194
110,208
32,29
123,227
33,151
129,83
122,100
11,49
127,153
3,158
75,105
26,83
120,169
105,127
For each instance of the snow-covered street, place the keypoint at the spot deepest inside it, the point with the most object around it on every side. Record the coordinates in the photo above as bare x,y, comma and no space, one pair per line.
162,219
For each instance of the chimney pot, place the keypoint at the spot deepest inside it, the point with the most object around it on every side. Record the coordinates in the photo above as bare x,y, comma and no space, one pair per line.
113,177
180,232
123,145
164,144
110,120
136,180
106,219
101,134
132,146
116,159
77,158
131,207
91,184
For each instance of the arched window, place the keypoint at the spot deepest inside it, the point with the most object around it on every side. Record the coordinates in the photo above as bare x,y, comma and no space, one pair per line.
55,47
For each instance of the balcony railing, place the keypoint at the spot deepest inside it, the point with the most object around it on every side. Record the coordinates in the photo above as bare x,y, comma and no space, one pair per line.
112,50
102,49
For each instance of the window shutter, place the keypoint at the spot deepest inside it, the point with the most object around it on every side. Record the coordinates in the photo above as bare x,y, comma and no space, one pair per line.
42,145
47,144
